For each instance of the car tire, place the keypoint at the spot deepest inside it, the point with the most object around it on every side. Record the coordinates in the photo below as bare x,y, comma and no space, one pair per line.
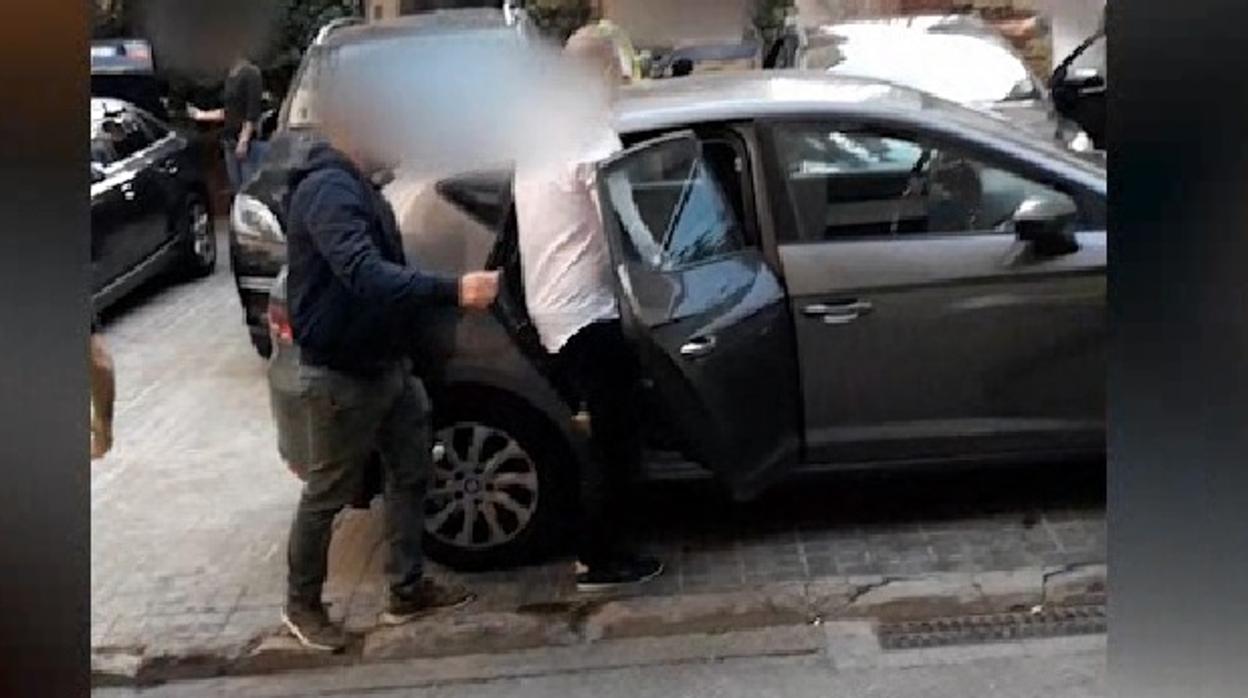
538,455
199,237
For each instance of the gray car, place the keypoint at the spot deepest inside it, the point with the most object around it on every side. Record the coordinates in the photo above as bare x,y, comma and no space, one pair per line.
818,273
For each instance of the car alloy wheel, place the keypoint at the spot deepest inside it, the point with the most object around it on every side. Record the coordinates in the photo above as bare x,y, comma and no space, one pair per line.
484,489
203,238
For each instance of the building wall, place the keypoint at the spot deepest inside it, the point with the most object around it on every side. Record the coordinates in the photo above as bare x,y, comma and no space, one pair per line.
665,22
383,9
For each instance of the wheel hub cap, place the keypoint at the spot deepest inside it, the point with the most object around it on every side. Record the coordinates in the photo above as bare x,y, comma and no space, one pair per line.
484,491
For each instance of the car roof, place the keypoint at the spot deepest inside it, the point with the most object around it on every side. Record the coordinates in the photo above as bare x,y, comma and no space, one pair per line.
435,21
731,96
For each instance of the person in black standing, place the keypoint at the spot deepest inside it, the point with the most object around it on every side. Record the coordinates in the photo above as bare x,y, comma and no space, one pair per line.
353,300
242,98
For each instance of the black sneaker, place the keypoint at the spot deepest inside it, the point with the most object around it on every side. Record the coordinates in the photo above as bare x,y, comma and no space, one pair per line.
312,628
620,573
429,597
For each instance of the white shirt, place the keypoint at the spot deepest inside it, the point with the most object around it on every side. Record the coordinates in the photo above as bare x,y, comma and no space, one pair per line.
563,251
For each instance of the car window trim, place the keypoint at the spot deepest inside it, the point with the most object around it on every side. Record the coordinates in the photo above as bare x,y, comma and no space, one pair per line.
1001,155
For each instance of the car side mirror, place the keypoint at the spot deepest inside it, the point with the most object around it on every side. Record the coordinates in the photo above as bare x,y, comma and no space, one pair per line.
1046,225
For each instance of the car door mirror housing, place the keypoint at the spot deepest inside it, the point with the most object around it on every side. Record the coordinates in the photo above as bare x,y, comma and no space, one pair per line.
1047,225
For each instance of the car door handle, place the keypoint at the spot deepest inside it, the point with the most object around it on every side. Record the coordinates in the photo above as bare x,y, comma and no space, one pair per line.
697,347
837,313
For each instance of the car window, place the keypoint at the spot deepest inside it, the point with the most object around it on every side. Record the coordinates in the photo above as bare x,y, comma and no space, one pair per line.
102,152
124,133
671,207
154,128
849,184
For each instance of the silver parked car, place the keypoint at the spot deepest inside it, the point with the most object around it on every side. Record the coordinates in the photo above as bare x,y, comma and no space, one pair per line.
818,273
957,57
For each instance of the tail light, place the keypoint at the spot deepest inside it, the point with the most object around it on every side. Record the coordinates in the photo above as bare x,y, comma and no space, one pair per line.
279,324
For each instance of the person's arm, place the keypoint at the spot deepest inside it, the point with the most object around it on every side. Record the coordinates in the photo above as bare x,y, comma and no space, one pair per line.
103,391
338,226
208,116
254,92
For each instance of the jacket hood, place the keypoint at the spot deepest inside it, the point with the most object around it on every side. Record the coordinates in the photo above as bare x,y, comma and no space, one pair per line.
320,156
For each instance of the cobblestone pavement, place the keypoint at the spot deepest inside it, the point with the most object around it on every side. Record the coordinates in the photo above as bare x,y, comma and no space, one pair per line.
190,511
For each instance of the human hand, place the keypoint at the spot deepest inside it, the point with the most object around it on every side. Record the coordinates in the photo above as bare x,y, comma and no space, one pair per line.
478,289
240,149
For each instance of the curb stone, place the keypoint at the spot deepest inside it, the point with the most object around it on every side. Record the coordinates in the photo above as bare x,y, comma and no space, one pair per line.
590,620
1075,584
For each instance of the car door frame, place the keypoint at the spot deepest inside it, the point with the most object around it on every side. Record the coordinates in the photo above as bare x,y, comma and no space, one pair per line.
744,480
823,451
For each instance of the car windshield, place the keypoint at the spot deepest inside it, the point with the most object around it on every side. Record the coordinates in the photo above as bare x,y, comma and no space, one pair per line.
958,67
414,52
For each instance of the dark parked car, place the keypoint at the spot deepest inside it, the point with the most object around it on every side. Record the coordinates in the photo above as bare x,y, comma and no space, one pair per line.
819,274
149,202
957,57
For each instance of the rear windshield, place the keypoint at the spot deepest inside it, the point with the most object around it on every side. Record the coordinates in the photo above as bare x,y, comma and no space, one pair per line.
396,53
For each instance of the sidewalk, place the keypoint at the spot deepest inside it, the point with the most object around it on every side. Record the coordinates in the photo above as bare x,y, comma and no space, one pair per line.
190,513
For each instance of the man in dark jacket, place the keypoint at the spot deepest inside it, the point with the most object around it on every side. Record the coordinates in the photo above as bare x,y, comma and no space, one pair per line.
351,297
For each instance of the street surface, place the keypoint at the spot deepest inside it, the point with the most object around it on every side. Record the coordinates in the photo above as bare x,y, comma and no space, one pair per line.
190,512
838,660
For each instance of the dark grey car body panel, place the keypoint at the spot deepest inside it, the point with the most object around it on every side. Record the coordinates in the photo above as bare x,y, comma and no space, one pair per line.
971,347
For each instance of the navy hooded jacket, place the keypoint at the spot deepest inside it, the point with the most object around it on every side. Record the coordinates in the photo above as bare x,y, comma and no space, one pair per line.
352,298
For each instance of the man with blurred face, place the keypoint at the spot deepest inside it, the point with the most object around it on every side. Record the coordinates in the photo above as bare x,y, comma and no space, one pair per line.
568,292
353,300
242,96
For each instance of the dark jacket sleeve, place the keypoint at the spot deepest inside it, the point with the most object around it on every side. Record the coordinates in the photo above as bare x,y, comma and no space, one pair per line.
337,222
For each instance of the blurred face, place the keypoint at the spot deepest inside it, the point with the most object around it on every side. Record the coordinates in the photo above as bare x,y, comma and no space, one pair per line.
355,124
597,55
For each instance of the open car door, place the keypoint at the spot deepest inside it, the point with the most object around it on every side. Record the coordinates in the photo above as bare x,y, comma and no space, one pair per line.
706,313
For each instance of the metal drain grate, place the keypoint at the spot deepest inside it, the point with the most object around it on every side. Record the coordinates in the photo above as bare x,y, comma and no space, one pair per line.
999,627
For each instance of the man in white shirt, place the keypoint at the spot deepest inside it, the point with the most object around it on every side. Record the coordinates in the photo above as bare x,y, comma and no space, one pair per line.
571,300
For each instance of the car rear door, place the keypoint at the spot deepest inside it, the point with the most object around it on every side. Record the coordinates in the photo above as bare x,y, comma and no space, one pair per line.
109,210
150,155
119,220
707,313
925,327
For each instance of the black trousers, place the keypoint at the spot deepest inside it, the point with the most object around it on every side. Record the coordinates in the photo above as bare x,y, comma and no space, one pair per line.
602,370
332,426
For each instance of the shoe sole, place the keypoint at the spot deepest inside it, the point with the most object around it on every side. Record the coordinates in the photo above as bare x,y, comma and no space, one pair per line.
595,587
388,618
305,640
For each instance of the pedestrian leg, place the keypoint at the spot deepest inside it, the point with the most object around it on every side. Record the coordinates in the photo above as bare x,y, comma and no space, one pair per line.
405,442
